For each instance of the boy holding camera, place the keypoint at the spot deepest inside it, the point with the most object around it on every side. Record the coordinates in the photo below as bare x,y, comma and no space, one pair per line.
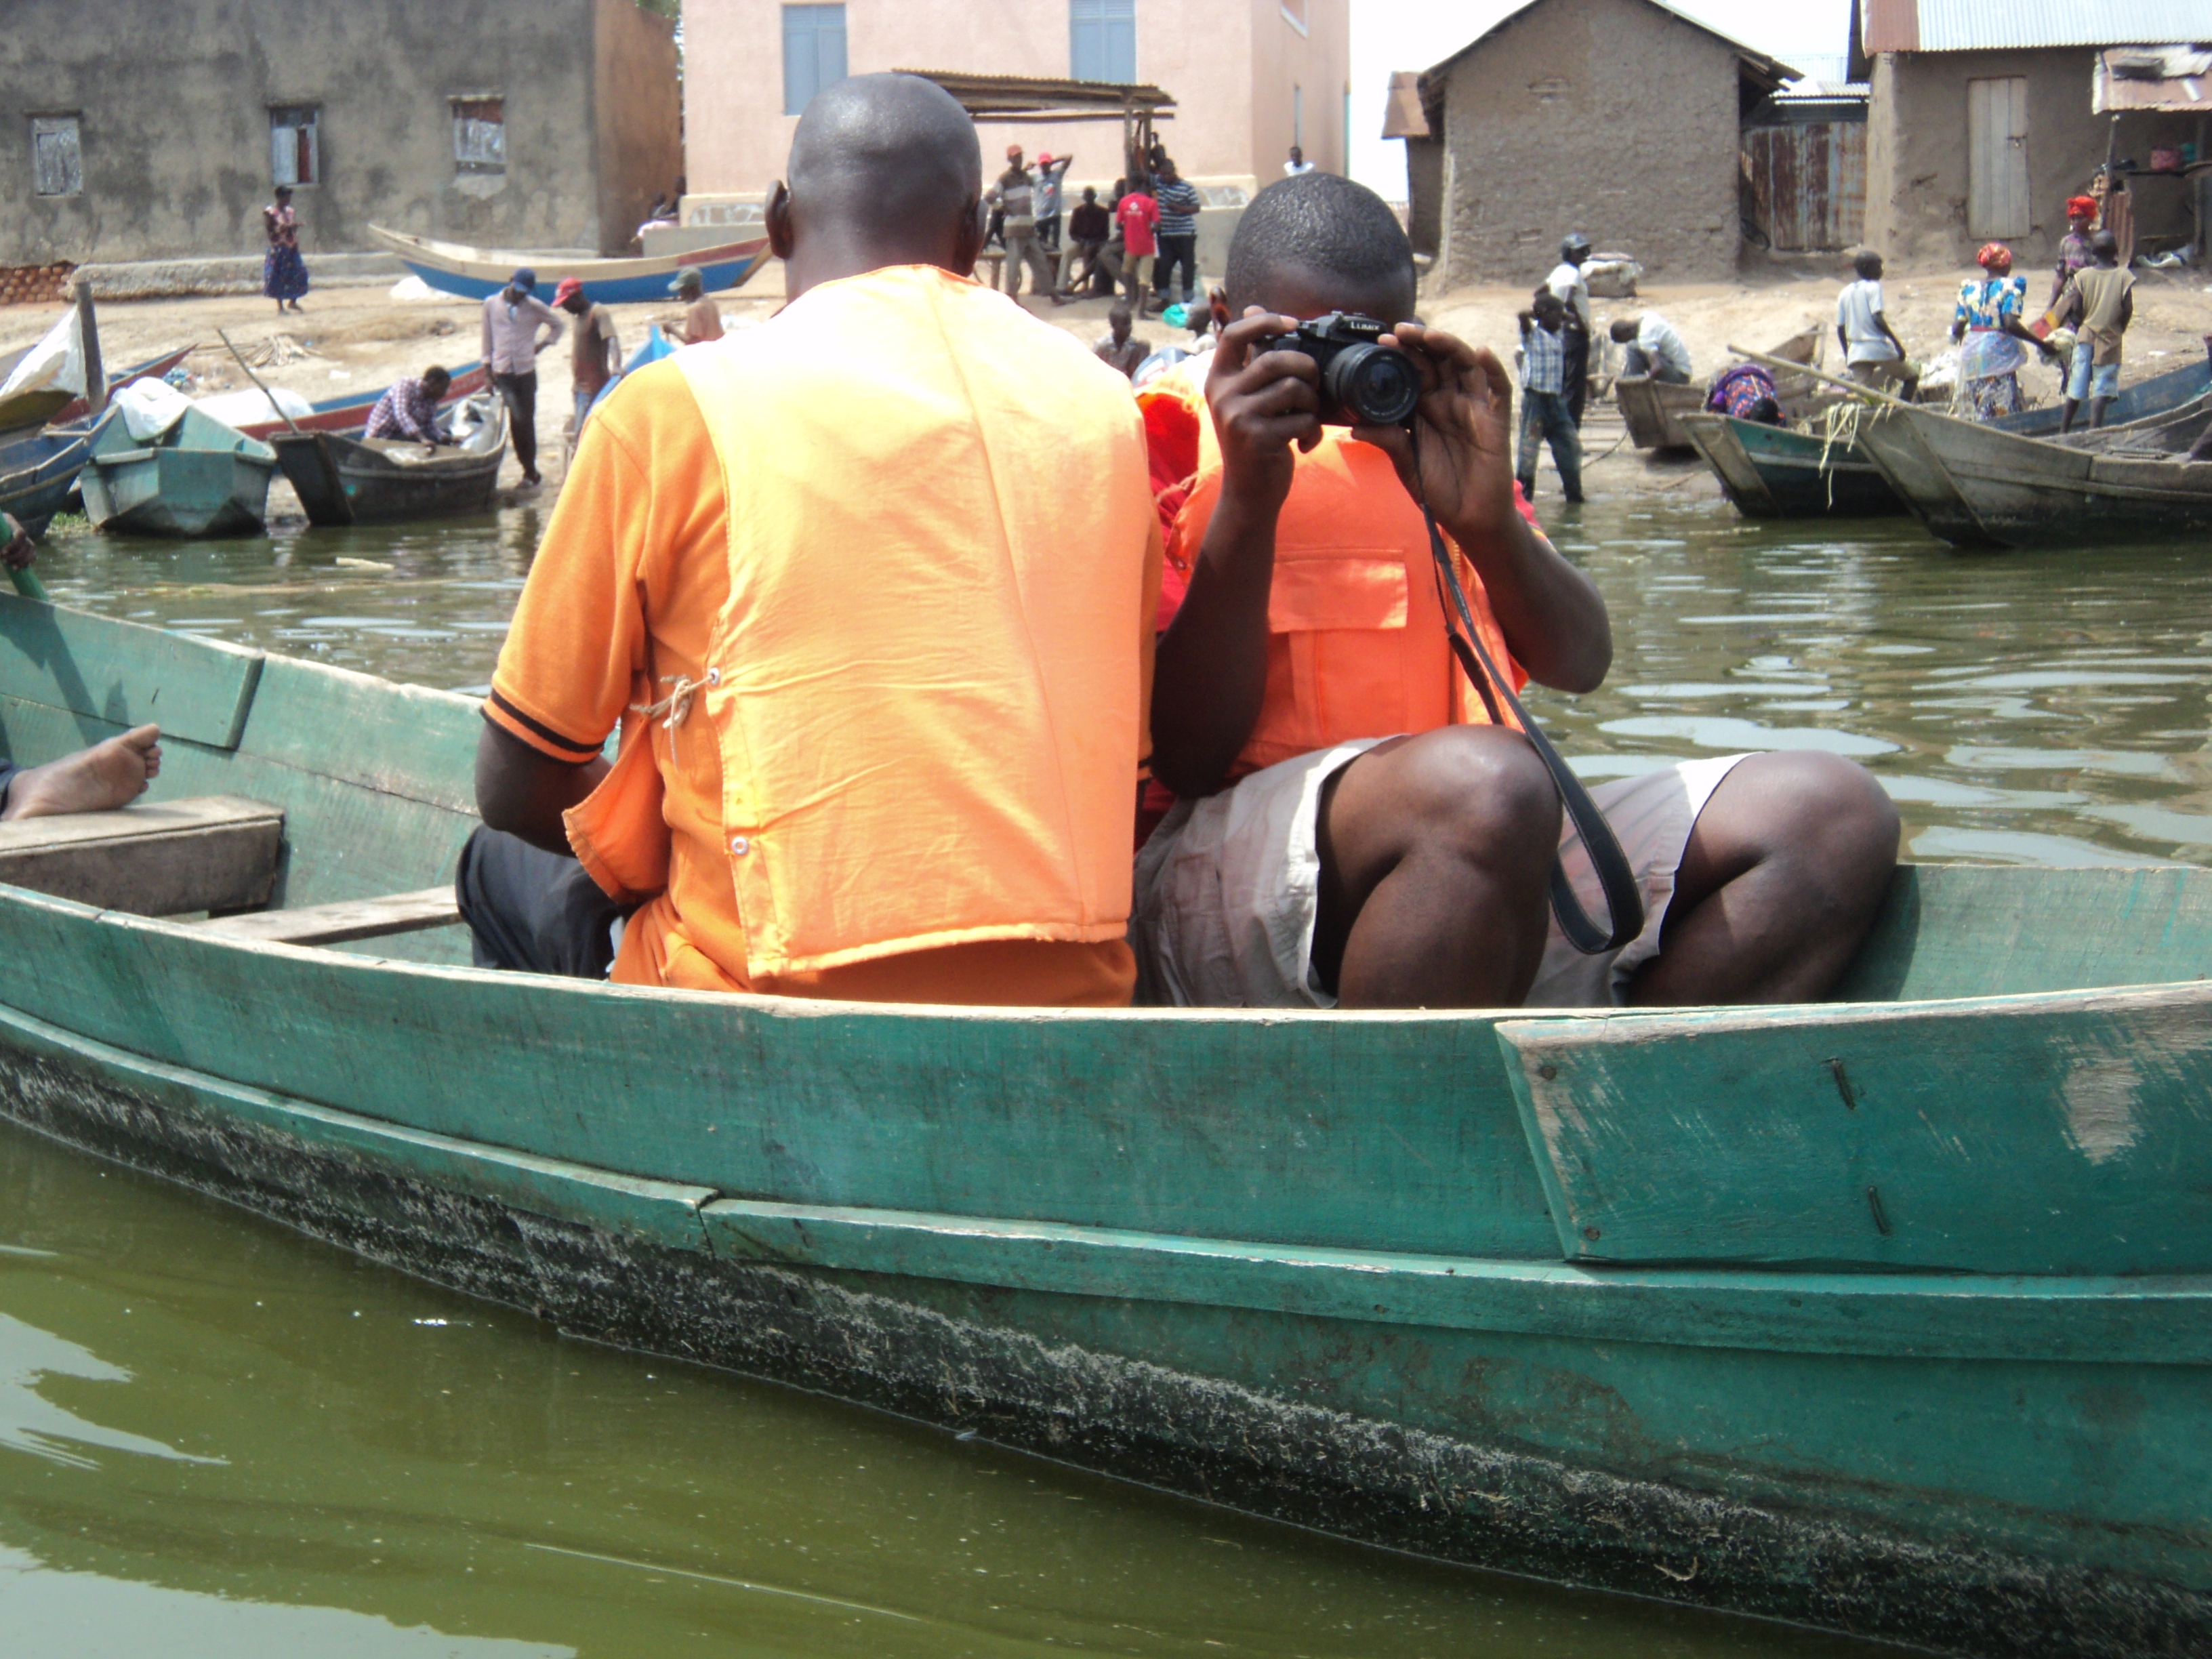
1352,829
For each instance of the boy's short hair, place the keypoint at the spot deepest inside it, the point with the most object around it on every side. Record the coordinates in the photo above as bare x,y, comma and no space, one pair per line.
1624,329
437,374
1322,222
1545,301
1867,263
1120,308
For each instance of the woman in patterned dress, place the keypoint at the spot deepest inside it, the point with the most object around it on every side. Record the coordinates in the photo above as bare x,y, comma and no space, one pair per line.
1988,327
284,272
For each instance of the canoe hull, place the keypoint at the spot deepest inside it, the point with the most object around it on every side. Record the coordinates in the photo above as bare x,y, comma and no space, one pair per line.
479,273
1243,1399
37,474
1653,410
1773,472
340,482
1310,1266
2145,400
1978,487
179,493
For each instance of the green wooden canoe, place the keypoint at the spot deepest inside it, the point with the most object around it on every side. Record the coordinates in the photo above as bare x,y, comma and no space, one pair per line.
198,478
1893,1317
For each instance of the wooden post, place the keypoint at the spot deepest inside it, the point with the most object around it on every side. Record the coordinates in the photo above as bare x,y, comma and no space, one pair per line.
88,329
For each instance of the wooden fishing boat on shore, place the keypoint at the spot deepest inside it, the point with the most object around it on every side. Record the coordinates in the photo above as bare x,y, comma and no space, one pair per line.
1780,472
39,473
24,415
476,273
198,478
350,414
350,481
1654,410
1977,486
2145,400
1893,1316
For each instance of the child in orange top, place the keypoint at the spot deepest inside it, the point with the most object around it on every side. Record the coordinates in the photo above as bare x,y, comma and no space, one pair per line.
1351,830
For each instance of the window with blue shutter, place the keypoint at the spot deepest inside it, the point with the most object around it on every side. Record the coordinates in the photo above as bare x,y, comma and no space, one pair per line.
1102,36
813,53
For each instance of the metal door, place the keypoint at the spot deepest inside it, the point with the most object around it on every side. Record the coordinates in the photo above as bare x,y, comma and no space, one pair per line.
1996,157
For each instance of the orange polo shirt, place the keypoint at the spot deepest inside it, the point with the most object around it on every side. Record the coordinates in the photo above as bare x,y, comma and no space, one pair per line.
1355,639
910,675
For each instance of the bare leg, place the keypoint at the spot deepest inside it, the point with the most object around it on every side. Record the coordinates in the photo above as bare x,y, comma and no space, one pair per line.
2097,406
1435,858
1785,870
95,780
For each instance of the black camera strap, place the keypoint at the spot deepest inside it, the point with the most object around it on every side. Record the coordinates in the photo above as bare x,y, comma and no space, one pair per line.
1624,897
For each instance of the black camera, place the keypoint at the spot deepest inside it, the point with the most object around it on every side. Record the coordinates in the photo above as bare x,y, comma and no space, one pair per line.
1363,381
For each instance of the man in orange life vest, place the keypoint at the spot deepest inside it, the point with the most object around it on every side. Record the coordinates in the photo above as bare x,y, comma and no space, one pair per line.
881,681
1350,829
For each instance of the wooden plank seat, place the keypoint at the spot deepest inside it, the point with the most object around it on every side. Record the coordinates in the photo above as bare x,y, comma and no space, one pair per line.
154,859
340,924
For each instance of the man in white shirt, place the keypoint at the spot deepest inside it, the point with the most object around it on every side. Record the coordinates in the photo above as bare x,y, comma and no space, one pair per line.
1297,164
517,326
1568,281
1873,354
1653,348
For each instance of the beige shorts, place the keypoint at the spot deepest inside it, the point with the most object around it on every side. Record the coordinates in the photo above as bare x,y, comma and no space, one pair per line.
1228,887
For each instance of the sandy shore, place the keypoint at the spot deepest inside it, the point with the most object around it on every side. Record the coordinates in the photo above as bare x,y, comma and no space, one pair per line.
357,339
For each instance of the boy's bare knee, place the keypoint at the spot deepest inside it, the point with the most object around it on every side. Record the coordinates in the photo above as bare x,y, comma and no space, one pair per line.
1483,790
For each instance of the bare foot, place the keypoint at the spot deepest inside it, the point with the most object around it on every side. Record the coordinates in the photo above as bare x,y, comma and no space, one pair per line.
95,780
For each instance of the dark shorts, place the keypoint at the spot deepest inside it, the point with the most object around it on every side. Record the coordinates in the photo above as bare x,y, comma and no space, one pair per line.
534,912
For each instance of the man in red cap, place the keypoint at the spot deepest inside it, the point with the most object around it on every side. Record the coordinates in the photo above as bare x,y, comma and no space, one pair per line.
1014,196
598,350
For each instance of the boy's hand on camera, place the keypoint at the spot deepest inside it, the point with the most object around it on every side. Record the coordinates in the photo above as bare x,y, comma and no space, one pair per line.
1262,404
1466,420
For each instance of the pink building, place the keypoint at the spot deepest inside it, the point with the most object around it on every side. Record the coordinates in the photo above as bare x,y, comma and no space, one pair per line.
1249,80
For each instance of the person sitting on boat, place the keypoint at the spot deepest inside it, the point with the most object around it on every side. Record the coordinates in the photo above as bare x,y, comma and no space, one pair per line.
2104,294
1649,346
1873,355
408,409
702,319
518,326
1988,327
881,676
1746,392
110,773
1352,829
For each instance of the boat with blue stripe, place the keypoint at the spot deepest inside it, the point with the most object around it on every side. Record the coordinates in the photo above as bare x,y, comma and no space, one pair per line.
476,273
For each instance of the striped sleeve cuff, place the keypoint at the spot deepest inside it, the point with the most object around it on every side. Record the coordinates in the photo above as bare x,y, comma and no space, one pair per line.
538,735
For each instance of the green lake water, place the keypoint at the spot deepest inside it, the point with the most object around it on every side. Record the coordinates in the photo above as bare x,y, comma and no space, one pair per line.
219,1438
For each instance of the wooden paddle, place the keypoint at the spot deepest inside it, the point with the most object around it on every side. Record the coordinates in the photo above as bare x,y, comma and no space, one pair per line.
1854,386
256,378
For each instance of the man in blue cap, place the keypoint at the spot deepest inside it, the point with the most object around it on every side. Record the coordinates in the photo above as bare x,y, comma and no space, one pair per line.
516,325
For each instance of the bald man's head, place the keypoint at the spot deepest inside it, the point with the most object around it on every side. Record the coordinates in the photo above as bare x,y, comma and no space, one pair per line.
885,170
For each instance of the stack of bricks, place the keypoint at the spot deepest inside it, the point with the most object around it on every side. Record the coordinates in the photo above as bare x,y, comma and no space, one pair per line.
35,285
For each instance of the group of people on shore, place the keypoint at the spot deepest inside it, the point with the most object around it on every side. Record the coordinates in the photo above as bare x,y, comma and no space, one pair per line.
2081,329
900,696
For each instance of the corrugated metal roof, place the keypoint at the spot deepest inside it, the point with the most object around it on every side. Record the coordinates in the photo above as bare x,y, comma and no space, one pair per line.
1987,25
2174,78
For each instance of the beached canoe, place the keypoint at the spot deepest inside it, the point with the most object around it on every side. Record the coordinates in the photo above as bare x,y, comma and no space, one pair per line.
348,481
1653,409
1777,472
39,473
1893,1317
1977,486
198,478
477,273
350,414
2145,400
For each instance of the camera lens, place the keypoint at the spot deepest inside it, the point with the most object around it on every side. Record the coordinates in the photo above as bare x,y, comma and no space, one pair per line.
1373,385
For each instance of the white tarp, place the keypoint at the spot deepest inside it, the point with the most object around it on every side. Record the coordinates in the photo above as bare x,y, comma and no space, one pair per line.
243,409
56,361
150,408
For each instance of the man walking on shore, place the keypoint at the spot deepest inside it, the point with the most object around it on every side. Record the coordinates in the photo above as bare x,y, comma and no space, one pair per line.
596,354
2105,293
517,326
